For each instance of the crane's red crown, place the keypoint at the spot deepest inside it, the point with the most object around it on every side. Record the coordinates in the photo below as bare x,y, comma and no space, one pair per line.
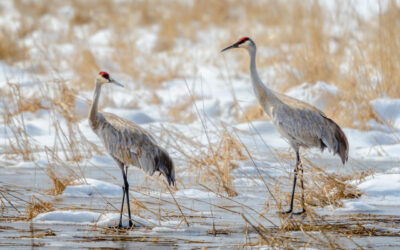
105,75
243,39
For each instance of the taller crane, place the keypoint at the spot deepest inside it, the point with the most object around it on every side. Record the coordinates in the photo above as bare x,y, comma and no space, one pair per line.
301,124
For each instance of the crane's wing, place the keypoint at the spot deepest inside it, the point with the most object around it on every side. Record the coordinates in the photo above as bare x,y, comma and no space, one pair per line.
305,125
133,145
297,104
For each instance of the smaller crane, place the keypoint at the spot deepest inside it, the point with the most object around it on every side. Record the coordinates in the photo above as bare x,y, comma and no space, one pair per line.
301,124
128,144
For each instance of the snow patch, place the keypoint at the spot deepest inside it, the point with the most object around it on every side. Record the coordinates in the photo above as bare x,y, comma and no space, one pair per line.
135,116
319,94
88,217
381,185
387,110
377,191
194,194
68,217
101,38
90,187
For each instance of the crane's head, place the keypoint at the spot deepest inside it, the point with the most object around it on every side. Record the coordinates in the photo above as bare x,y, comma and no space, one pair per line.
244,42
165,166
104,78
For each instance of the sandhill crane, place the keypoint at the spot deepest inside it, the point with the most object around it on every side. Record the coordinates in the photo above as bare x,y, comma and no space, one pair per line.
301,124
128,144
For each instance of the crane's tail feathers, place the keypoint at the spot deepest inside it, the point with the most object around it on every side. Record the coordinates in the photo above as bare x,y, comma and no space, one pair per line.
165,165
341,145
343,149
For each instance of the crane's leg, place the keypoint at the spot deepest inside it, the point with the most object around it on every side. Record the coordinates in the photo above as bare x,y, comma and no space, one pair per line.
294,183
126,184
300,167
121,166
122,207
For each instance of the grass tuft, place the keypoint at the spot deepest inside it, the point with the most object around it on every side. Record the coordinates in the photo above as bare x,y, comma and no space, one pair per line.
37,206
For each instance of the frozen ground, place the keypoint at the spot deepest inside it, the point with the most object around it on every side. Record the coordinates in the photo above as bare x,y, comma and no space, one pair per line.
194,214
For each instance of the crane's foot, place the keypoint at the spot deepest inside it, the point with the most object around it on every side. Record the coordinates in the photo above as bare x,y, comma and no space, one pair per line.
287,212
294,213
303,211
121,226
124,228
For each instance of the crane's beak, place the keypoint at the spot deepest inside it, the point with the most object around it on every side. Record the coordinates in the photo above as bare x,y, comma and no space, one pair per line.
116,83
233,46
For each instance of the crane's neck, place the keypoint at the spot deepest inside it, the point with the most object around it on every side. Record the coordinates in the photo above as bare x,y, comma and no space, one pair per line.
265,96
93,115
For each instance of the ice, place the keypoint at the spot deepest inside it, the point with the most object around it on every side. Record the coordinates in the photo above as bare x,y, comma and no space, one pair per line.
30,164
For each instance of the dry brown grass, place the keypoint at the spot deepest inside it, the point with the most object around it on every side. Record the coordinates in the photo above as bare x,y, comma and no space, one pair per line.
183,112
59,182
329,189
37,206
253,113
19,141
85,66
322,188
217,161
11,49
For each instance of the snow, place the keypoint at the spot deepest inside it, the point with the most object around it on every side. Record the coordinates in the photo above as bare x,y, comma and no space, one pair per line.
90,187
320,94
70,217
381,185
194,194
387,110
101,38
379,192
112,220
88,217
135,116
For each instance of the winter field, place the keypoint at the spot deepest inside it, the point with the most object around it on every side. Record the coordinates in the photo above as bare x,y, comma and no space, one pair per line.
60,189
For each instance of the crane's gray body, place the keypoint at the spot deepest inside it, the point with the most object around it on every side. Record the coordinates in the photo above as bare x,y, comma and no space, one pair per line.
127,142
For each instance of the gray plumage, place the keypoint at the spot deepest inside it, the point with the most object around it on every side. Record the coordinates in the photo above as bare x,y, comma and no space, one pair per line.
132,145
301,124
305,126
128,143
